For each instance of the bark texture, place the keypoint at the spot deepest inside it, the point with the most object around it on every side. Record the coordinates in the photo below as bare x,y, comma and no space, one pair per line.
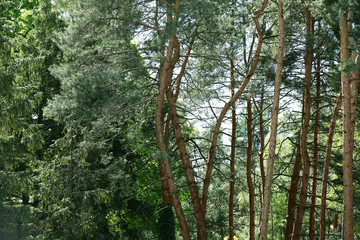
262,140
327,165
273,128
194,192
248,172
305,126
295,177
315,154
232,154
349,87
172,57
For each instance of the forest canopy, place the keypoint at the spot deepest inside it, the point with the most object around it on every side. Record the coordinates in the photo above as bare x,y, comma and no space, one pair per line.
179,119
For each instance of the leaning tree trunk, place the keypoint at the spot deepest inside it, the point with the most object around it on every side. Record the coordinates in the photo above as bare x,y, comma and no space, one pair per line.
216,132
274,122
188,169
304,131
194,192
165,170
349,87
186,163
326,167
166,196
295,177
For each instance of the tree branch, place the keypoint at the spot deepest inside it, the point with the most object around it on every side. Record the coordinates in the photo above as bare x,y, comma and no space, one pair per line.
133,22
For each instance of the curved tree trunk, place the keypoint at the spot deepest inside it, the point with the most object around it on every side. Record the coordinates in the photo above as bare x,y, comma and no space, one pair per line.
164,185
274,123
169,68
165,170
194,192
216,132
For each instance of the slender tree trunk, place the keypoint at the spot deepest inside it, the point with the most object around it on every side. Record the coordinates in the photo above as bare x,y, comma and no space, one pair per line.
164,185
165,170
295,177
172,57
327,165
171,98
315,154
274,122
182,70
349,87
293,189
304,131
260,110
212,151
194,192
262,140
248,172
348,231
232,155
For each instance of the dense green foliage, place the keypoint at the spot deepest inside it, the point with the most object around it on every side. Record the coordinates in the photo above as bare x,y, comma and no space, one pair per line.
79,157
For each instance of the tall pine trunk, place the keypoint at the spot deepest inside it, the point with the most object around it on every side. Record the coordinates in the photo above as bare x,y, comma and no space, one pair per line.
304,132
349,87
248,172
274,122
295,177
194,192
326,167
262,141
186,163
172,56
315,154
232,155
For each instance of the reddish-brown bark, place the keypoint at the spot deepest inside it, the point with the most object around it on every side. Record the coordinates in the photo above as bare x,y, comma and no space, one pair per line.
232,154
347,152
165,170
212,151
305,126
273,129
262,141
295,177
248,172
349,88
315,154
194,192
164,186
327,165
